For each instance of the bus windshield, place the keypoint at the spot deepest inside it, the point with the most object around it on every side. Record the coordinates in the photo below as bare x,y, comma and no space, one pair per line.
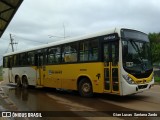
136,52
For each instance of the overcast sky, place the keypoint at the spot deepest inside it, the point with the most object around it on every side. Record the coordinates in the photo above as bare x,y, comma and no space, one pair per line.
35,20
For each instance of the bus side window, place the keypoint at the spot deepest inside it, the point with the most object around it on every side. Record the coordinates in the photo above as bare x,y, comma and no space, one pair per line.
5,62
69,52
23,59
58,54
50,55
84,51
31,58
14,60
54,55
10,63
89,50
93,50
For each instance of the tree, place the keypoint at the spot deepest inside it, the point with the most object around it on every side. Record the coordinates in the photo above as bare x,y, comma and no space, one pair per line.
155,46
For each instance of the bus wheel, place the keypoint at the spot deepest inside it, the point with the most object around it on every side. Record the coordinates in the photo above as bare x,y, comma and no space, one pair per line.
85,88
24,82
18,81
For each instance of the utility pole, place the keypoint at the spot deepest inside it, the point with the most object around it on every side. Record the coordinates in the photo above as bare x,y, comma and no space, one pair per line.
12,43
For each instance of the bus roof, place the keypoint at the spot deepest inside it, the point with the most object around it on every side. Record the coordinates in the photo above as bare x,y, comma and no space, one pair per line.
68,40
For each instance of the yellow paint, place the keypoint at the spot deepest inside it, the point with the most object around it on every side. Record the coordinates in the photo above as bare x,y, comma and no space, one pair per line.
66,75
141,80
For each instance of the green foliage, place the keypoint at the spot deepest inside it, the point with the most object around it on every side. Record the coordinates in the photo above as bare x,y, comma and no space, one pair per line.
1,78
157,79
0,70
155,46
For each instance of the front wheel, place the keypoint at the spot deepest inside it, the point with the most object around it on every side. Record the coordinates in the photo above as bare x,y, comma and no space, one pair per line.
85,88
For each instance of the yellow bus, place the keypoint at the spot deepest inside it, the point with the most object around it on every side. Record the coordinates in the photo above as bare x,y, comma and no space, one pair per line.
116,61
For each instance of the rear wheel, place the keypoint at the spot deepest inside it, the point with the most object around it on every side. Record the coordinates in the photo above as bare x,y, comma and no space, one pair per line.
24,82
18,81
85,88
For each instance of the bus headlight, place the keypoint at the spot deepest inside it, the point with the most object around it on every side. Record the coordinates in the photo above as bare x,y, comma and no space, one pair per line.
128,79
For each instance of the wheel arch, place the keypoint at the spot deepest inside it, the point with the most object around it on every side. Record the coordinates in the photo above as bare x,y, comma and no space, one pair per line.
15,78
81,77
26,77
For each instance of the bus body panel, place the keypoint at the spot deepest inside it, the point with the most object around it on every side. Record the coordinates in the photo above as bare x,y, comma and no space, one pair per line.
66,75
6,75
29,72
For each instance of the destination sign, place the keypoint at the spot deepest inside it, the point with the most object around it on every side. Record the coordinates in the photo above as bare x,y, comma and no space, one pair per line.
111,37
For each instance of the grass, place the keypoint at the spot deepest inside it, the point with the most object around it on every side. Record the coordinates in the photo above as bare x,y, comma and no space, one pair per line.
157,79
1,78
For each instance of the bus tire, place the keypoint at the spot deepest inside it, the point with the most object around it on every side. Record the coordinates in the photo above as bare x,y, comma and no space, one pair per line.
85,88
18,81
24,82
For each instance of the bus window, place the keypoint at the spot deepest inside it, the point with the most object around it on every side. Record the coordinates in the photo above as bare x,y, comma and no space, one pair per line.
54,55
93,50
39,58
5,62
89,50
15,60
10,61
31,58
22,59
58,54
84,51
69,52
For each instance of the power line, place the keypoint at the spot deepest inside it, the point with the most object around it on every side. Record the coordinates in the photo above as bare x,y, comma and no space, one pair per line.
7,48
25,39
64,33
31,40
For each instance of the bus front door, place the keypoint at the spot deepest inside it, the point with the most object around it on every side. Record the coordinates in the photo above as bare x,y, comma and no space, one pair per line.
39,63
111,67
